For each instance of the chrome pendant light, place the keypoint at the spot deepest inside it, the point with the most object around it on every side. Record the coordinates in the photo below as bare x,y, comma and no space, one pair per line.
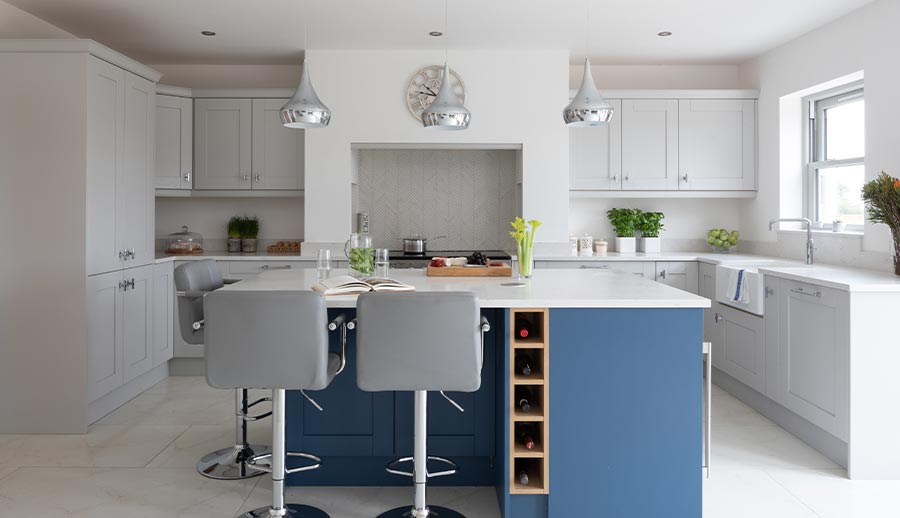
588,107
446,112
305,110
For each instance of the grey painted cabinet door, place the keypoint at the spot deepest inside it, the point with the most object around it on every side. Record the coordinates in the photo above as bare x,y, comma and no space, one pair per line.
105,368
277,151
137,318
222,143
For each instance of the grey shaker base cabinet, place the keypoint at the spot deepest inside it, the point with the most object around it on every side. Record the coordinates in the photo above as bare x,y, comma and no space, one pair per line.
129,315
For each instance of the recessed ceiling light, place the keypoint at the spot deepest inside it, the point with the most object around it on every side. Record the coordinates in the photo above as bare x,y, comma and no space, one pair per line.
664,34
435,33
208,33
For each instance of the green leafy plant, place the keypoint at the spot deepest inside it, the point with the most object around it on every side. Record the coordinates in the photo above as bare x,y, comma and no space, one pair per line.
882,197
624,221
650,223
250,227
235,227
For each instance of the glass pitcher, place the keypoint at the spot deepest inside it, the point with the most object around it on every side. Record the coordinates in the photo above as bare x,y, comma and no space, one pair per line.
360,254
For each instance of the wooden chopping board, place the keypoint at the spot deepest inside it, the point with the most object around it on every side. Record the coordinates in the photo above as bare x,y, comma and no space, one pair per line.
503,270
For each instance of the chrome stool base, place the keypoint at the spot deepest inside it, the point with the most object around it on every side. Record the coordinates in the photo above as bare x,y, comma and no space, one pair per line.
289,510
434,511
225,464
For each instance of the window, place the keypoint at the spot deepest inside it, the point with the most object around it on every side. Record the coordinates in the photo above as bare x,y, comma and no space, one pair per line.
836,151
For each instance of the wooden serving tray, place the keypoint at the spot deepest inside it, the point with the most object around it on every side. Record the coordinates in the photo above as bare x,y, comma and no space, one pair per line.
286,249
503,270
196,251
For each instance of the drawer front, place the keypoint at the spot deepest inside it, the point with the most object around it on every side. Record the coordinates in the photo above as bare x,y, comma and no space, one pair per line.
238,269
641,268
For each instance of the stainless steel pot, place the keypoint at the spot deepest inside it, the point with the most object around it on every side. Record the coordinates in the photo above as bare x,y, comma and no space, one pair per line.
416,244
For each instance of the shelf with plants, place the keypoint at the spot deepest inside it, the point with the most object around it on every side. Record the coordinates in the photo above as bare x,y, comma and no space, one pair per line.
529,368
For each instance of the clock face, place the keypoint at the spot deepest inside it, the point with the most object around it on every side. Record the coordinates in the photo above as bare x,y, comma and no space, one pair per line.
424,86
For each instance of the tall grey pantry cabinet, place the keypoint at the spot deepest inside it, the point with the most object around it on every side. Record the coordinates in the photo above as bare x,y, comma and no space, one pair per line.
79,132
122,285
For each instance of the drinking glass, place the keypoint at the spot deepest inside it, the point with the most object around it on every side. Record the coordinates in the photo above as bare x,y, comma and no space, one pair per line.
382,262
323,263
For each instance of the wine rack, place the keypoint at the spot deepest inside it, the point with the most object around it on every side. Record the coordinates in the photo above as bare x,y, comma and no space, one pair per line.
531,350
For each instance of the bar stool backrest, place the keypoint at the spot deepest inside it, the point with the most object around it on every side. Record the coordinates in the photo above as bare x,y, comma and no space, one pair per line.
267,340
419,341
199,277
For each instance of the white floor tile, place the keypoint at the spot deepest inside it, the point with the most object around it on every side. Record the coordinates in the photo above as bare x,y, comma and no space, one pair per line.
749,493
729,411
832,495
198,440
103,446
118,492
180,409
763,446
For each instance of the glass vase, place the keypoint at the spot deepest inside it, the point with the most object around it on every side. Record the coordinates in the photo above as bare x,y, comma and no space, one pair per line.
525,261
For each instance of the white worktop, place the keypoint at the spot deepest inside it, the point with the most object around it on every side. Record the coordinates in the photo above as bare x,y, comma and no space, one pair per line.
549,288
225,256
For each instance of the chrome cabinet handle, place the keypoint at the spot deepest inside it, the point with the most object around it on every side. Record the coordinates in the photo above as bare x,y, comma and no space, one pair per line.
662,273
122,255
257,177
589,267
625,178
130,284
245,177
267,267
614,178
122,286
131,253
719,318
187,176
769,291
684,178
707,351
801,291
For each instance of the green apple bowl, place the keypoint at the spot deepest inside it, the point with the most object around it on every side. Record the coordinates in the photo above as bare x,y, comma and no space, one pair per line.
722,241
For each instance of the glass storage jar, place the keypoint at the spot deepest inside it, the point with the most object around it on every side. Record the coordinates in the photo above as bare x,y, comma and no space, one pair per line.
184,242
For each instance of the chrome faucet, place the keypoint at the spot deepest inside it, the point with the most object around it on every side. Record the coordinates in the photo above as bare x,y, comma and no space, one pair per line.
809,239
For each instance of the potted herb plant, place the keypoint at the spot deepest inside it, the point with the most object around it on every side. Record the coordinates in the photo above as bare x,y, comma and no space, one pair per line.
249,233
882,197
624,223
650,223
235,229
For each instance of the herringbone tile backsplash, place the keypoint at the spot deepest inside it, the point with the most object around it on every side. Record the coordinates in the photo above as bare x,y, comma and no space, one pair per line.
466,194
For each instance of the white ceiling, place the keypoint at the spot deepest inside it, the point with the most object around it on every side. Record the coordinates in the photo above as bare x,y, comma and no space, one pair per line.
271,31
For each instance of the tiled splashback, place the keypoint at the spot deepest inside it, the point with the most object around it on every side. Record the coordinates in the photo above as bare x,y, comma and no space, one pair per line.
466,194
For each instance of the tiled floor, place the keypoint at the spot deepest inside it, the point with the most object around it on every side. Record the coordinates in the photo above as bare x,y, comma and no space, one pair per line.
139,461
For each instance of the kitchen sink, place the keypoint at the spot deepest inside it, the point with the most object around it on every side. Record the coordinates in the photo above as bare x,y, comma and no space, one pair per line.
755,283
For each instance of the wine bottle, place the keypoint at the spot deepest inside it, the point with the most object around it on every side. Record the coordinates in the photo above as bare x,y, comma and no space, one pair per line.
526,434
523,365
523,477
524,328
524,399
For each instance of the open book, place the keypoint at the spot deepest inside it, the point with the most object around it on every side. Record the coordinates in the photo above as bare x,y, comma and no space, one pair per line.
347,285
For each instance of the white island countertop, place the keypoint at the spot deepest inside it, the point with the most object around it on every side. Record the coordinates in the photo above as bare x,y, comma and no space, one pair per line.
549,288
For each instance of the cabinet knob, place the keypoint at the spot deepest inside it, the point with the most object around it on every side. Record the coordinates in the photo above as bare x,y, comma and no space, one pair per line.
187,176
626,178
614,178
719,318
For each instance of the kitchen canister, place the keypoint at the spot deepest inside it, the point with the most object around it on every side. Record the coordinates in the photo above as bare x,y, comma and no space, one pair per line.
573,242
601,247
586,245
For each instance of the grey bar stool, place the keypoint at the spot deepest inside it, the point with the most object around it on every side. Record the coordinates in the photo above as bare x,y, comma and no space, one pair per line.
274,340
193,280
420,342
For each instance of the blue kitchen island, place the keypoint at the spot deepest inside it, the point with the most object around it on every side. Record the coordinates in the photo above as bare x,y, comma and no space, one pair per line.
615,392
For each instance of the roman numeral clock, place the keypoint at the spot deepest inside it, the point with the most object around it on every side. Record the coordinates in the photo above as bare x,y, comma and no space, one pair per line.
424,86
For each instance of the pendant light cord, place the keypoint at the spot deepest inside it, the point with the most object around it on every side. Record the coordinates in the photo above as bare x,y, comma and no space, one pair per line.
446,32
306,32
587,27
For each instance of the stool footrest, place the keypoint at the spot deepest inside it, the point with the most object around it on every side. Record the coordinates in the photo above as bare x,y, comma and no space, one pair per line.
391,467
309,456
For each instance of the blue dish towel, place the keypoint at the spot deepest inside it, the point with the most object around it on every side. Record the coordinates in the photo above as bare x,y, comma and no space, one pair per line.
737,287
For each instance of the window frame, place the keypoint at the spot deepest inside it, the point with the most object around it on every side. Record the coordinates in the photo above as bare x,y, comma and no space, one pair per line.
814,107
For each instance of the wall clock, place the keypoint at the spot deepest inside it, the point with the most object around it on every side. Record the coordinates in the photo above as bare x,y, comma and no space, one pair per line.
424,86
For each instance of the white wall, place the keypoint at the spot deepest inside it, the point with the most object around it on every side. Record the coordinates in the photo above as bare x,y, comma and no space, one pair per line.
514,97
861,41
652,77
280,218
16,23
